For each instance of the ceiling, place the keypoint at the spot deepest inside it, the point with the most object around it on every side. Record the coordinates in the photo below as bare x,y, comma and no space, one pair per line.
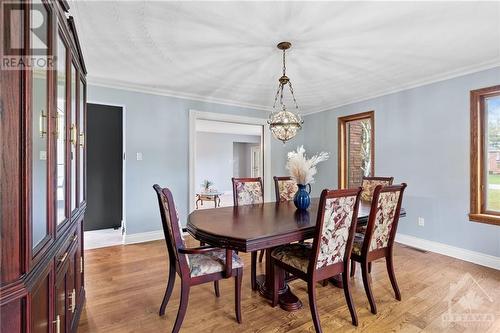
342,51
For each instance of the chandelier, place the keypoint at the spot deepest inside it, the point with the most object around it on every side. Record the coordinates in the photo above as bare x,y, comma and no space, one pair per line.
284,124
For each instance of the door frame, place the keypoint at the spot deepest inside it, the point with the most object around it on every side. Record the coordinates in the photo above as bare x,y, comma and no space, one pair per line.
123,227
195,115
252,161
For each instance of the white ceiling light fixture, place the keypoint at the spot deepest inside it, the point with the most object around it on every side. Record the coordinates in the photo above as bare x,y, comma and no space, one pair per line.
284,124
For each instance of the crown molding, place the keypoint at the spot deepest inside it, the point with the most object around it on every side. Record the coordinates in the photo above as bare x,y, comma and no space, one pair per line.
420,83
114,84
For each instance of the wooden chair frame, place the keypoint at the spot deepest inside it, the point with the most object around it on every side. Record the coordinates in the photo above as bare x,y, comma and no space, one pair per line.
178,263
253,268
367,256
314,274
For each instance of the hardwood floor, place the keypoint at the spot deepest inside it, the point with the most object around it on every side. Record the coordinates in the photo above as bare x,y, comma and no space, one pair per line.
125,286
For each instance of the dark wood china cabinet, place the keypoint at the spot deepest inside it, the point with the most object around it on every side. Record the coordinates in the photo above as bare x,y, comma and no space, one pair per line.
42,171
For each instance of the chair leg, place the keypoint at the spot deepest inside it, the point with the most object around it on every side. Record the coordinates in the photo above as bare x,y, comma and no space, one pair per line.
348,298
168,291
182,307
370,267
353,267
276,270
237,294
311,290
261,255
216,288
253,271
366,284
390,269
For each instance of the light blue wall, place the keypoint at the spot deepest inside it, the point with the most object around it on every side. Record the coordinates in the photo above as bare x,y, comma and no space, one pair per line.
421,138
215,159
157,126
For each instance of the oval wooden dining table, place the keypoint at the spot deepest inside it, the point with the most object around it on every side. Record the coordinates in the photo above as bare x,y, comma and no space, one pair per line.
261,227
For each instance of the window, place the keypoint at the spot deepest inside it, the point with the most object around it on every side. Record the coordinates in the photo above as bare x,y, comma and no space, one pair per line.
356,148
484,154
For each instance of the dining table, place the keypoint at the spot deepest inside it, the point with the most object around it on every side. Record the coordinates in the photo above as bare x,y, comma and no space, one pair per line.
264,226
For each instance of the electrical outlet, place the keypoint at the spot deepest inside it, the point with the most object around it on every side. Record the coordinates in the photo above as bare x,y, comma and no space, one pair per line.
421,222
139,156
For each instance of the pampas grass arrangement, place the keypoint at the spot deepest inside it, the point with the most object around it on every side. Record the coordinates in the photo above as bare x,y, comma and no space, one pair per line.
302,169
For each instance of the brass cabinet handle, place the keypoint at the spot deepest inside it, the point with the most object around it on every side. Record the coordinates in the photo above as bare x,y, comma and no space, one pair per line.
65,255
72,138
73,300
58,324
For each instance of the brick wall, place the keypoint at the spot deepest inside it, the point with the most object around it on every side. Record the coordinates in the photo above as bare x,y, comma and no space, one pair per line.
355,160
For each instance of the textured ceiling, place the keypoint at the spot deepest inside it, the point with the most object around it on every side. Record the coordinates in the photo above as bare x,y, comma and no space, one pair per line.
342,51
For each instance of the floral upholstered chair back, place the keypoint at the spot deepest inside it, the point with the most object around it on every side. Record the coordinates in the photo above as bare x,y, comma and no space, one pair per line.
247,191
171,225
369,183
285,188
336,226
384,216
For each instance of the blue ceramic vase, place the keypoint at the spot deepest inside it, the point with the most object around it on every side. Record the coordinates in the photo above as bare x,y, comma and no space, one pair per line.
302,198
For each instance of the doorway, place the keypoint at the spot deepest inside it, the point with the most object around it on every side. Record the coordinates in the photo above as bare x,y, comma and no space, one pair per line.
224,150
103,219
249,156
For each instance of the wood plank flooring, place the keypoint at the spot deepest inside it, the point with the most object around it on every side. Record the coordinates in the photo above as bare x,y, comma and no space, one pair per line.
125,286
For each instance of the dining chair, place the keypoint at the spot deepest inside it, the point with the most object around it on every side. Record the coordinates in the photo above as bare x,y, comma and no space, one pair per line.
369,183
249,191
329,253
284,188
194,265
377,241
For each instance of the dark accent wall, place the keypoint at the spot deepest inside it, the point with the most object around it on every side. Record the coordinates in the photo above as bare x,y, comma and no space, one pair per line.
104,167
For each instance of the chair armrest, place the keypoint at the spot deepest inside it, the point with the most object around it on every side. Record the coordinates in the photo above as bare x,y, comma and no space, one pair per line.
198,250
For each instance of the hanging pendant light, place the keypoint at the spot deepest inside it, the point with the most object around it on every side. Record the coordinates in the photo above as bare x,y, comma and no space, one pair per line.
284,124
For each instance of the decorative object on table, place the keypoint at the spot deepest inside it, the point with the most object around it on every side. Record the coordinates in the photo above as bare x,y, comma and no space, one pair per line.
302,171
284,124
206,185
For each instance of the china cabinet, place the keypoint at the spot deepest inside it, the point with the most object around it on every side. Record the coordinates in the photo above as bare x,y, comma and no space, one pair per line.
43,169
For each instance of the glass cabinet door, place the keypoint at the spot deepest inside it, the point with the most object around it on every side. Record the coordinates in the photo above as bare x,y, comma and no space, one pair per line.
60,132
39,133
73,139
81,156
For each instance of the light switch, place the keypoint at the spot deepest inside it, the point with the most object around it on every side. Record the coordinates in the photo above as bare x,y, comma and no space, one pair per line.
43,155
139,156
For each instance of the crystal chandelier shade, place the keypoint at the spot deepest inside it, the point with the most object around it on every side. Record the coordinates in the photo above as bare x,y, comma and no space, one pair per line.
284,124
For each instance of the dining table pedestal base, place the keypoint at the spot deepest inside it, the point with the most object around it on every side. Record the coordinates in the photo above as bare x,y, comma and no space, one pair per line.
287,299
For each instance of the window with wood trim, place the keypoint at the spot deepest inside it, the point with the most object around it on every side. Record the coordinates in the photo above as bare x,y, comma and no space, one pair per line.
485,155
356,148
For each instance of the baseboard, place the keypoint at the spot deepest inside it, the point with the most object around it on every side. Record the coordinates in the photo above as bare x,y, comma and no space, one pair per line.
142,237
451,251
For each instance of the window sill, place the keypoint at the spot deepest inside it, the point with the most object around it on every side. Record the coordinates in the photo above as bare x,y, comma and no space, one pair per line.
485,218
